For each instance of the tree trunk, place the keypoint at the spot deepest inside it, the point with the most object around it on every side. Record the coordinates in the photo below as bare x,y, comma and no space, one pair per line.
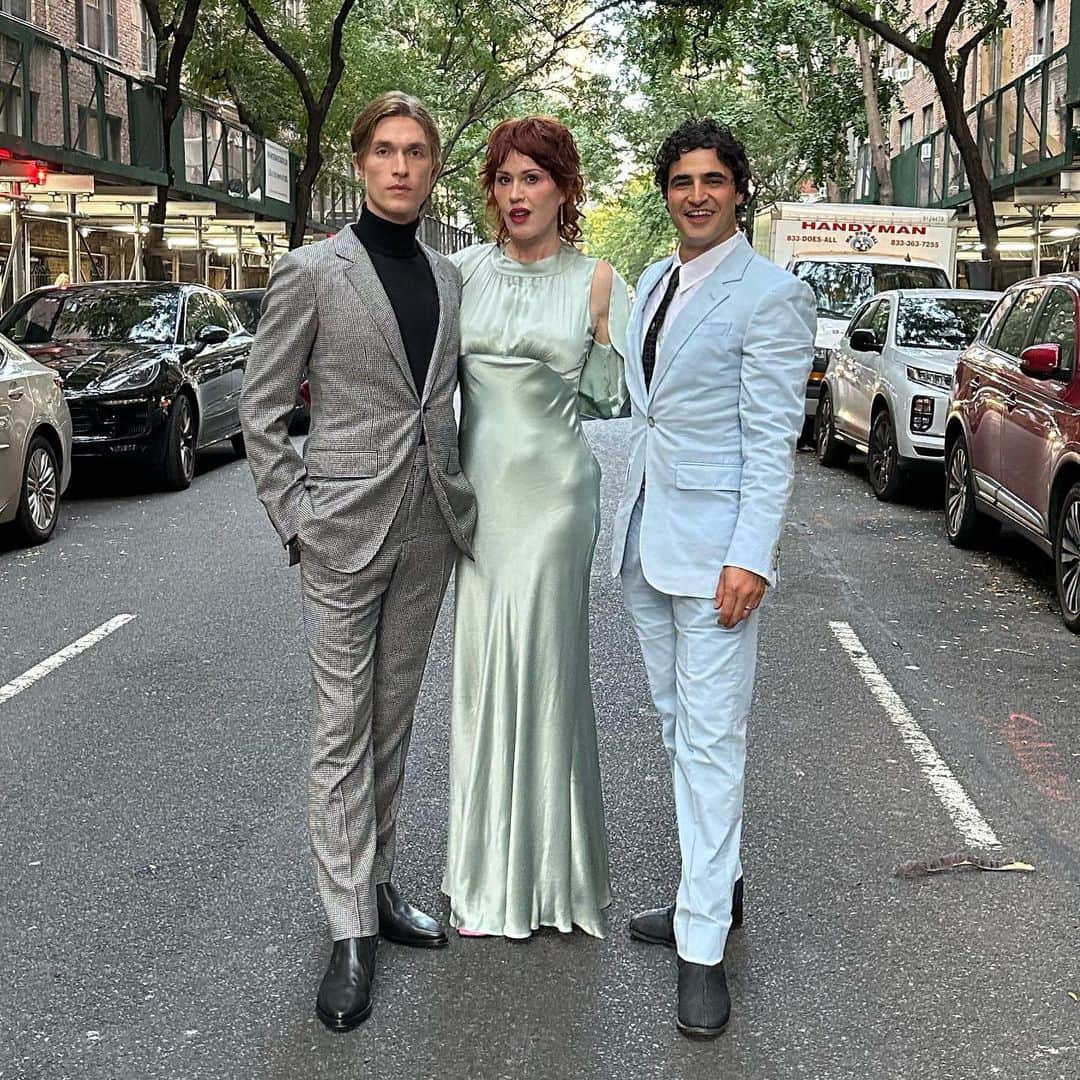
982,197
153,263
879,153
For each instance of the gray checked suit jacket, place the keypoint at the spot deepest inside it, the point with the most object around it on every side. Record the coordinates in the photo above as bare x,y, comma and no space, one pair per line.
326,313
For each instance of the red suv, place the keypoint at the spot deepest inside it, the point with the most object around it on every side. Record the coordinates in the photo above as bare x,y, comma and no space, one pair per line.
1012,438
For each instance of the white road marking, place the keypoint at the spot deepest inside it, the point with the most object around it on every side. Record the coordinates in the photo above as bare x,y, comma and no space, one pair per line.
69,652
965,815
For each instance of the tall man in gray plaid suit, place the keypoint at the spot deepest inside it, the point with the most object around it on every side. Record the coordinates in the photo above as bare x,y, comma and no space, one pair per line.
374,513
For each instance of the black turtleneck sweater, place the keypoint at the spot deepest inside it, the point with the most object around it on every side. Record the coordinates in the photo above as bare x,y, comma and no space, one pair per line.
406,276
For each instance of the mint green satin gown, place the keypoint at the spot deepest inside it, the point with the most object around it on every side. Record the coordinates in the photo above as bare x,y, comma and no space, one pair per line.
527,845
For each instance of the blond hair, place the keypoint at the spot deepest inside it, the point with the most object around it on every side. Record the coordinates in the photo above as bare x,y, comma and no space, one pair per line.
395,103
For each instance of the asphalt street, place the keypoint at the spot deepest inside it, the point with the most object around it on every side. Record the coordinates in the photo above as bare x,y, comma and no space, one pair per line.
158,916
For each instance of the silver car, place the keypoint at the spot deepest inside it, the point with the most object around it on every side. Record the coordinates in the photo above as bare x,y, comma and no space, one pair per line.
35,444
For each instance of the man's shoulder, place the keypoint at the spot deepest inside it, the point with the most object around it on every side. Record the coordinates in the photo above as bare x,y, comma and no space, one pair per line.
307,255
767,273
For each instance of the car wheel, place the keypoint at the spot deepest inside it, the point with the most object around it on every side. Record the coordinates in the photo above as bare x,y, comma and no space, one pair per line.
237,440
179,468
830,451
39,497
965,525
1067,559
883,458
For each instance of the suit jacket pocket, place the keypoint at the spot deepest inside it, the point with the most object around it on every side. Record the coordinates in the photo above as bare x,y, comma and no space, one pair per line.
702,476
326,464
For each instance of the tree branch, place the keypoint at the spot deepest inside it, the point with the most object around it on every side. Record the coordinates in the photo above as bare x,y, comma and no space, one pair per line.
882,29
280,54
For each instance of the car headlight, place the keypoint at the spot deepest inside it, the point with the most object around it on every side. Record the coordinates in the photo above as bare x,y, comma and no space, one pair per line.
938,380
141,375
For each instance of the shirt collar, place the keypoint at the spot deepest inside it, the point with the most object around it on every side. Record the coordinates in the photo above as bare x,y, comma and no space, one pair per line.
696,270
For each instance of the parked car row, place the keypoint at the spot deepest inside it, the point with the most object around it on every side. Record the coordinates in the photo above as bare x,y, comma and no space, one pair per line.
985,384
142,372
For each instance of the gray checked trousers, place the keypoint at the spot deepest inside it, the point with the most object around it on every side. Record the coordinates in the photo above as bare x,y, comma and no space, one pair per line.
368,636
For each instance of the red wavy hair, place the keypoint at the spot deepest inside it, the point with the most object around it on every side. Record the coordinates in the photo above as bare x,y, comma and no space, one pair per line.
550,144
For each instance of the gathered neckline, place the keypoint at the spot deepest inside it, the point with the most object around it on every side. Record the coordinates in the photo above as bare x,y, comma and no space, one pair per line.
545,267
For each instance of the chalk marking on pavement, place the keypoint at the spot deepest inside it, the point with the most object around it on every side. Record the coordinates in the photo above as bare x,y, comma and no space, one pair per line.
965,815
69,652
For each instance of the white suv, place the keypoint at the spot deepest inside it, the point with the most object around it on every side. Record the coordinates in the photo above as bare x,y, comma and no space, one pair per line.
886,390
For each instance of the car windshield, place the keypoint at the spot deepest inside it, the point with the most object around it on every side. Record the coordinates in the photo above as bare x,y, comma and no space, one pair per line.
928,322
842,287
146,316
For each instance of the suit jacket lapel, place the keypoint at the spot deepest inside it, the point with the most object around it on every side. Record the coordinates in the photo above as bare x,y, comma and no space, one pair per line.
635,331
712,292
444,283
375,303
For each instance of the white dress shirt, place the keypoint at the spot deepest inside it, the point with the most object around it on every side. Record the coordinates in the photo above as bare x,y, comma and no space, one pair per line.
691,275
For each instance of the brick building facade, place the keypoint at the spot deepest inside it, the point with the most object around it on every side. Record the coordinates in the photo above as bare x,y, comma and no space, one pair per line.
1036,29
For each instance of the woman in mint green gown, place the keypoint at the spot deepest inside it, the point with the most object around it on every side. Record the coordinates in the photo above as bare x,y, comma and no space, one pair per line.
542,331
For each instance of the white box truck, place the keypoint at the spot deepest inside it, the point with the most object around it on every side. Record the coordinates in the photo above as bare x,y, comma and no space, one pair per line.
846,254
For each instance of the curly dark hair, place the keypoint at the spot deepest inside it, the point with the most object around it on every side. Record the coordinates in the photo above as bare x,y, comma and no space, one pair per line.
704,134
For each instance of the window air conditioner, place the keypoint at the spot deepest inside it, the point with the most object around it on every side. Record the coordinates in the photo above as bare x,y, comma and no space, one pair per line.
1033,60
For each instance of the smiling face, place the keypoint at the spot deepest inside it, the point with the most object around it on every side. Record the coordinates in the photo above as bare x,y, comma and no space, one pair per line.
528,199
702,201
397,169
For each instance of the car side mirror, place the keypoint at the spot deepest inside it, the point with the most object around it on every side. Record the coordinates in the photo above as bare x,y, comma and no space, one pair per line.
1041,361
212,335
864,340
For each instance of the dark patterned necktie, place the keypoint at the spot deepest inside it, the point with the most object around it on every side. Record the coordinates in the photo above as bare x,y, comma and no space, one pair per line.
648,349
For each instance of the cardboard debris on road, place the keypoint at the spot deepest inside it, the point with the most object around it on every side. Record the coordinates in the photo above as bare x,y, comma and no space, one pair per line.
960,860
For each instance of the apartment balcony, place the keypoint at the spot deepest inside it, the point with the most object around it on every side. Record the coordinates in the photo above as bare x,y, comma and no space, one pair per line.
1023,132
79,112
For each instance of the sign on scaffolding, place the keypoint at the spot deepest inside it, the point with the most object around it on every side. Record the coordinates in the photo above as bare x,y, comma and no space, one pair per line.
278,176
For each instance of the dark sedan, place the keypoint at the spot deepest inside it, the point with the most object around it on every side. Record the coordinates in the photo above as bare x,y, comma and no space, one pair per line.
151,369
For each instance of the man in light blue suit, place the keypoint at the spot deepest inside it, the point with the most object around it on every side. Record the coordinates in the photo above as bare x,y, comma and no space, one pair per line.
719,348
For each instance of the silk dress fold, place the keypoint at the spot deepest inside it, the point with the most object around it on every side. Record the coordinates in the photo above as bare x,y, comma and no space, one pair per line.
527,846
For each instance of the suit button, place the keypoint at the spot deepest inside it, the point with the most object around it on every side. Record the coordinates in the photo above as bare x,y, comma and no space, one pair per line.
652,422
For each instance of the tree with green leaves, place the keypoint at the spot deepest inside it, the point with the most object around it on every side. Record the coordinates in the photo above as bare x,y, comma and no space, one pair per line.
933,46
631,229
290,47
472,65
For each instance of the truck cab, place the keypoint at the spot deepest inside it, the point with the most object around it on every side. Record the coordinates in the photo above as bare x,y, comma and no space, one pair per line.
848,253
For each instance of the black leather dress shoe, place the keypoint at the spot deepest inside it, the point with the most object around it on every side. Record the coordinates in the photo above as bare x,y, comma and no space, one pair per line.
403,924
657,927
345,994
704,1002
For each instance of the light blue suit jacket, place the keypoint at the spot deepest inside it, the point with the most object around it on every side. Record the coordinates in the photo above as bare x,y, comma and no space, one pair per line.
714,436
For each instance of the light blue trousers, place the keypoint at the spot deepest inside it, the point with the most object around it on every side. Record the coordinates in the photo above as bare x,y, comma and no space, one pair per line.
701,677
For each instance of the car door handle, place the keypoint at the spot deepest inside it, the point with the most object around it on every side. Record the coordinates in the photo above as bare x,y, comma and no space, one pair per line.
15,393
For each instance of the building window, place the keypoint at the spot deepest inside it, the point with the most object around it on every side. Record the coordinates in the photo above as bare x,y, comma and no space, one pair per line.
927,120
906,131
1043,39
147,43
19,8
292,11
89,135
95,25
